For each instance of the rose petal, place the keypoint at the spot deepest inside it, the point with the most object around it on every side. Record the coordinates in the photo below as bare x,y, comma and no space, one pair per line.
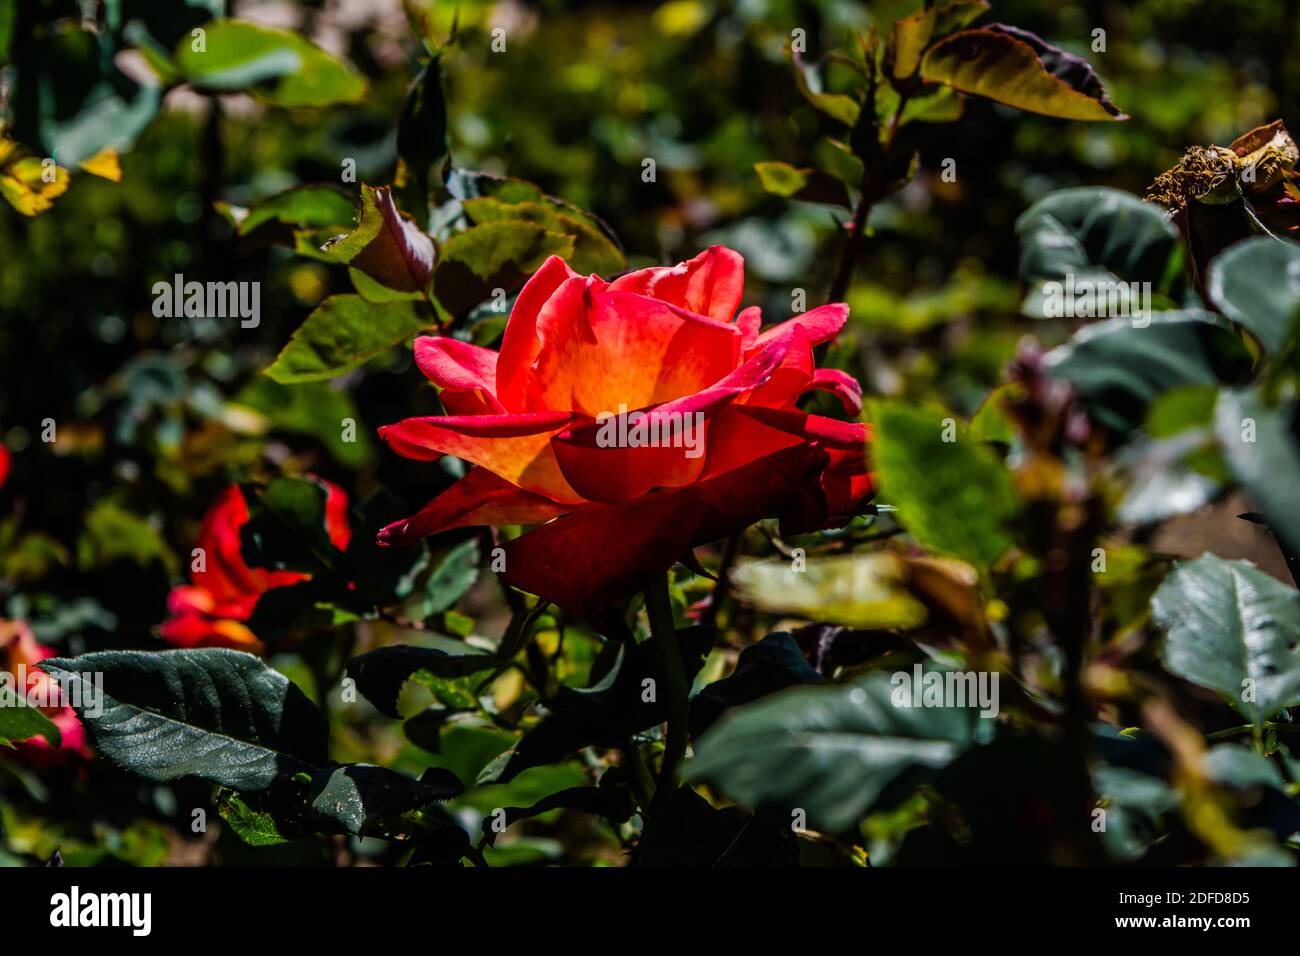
514,447
480,498
603,554
712,284
467,374
749,322
520,344
604,350
601,466
840,384
822,324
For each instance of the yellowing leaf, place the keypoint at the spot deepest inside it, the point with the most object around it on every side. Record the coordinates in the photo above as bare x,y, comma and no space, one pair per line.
31,185
104,164
1016,68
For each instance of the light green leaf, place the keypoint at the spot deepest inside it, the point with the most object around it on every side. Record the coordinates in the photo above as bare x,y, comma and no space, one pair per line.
954,496
861,590
280,67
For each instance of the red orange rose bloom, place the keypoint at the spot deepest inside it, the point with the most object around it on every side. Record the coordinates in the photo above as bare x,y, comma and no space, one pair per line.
211,610
665,342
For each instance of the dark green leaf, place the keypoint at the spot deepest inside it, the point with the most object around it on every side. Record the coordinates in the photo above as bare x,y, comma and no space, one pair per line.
212,713
773,664
1119,369
605,802
1233,629
685,830
359,797
1098,236
1259,443
829,751
287,526
1256,283
455,574
381,673
606,715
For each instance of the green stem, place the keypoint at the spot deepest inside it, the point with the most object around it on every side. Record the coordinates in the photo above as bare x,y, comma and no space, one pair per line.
664,635
643,784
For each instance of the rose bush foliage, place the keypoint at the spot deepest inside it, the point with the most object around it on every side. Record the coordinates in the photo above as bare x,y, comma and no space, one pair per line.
631,575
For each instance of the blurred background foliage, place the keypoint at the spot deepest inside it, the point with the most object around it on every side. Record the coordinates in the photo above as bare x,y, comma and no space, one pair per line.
155,416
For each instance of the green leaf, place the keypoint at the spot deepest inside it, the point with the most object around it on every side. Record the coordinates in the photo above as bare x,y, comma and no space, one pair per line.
1098,236
828,751
1256,283
1016,68
254,827
360,797
309,207
380,674
70,100
111,533
607,714
386,247
838,106
773,664
686,830
345,331
954,497
858,590
1119,369
314,409
23,723
1258,441
455,574
908,38
381,576
605,802
593,250
1232,628
280,67
809,185
287,526
422,128
220,715
499,253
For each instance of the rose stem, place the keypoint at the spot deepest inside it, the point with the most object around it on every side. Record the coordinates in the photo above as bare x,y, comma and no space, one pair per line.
664,634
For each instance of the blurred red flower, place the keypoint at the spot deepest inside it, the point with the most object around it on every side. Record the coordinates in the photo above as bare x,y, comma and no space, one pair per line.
19,647
211,610
713,442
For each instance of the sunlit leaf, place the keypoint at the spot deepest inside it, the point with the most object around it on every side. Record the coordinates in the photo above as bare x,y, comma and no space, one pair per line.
279,66
345,331
1017,68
